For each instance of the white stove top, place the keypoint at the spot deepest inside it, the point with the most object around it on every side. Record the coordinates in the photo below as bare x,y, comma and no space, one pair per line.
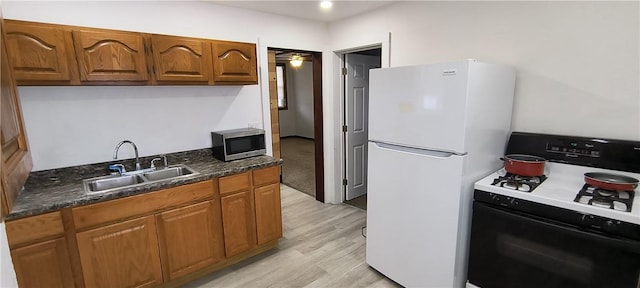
560,189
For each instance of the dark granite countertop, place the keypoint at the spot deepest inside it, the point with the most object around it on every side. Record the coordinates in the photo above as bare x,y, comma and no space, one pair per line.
51,190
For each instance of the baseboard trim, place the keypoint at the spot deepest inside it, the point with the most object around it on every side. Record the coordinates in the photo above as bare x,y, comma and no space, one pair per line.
296,136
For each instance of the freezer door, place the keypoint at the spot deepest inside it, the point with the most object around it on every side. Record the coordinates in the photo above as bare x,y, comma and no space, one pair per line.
412,214
419,106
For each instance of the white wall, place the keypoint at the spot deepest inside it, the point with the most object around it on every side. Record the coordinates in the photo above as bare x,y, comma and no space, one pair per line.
303,93
7,274
297,120
577,62
287,118
71,126
77,125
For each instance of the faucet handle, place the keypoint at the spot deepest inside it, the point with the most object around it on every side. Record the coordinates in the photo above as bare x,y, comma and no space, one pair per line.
166,163
117,168
153,166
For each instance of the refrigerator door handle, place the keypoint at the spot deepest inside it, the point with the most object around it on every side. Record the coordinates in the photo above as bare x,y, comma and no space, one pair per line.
416,151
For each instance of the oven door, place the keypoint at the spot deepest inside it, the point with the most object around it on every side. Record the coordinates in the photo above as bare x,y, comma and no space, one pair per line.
512,249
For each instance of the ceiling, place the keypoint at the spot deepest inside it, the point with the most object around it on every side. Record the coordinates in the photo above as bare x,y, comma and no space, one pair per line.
309,10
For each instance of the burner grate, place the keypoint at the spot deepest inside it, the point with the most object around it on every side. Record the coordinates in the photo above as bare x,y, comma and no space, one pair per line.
609,199
518,182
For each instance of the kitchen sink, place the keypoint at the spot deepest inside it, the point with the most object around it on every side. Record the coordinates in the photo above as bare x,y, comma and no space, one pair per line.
113,182
168,173
110,182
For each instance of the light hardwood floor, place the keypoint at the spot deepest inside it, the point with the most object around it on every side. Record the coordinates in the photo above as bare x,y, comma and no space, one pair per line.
322,247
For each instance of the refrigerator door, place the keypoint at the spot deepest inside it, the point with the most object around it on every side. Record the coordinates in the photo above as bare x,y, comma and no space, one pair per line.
412,214
419,106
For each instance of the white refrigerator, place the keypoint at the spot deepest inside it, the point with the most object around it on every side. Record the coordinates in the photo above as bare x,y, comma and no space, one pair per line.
433,131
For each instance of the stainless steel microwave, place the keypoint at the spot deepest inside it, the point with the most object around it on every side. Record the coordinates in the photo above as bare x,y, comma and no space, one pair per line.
238,143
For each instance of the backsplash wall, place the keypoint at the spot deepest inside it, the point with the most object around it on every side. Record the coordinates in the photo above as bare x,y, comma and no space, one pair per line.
70,126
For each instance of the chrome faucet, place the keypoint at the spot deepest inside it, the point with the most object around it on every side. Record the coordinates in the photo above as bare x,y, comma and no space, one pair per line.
115,152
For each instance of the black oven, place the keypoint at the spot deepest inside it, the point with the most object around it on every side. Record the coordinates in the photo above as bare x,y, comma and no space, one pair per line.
553,248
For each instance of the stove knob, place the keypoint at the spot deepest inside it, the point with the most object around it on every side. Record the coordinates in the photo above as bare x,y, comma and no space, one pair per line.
514,201
610,224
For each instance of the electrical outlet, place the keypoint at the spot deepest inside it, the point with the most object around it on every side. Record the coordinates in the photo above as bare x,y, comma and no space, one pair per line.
253,125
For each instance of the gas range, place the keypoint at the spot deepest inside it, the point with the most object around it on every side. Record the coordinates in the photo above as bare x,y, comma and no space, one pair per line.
553,230
560,188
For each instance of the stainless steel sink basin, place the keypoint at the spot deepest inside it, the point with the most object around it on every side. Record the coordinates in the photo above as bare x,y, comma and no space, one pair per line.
110,182
168,173
141,177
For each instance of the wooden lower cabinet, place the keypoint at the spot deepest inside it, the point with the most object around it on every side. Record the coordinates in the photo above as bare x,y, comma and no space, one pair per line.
238,220
164,237
190,239
268,213
44,264
121,255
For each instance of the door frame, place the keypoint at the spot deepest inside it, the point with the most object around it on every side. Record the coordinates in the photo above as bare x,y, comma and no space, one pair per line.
318,135
341,55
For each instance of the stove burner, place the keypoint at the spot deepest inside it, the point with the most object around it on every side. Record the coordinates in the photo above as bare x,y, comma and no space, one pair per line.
518,182
616,200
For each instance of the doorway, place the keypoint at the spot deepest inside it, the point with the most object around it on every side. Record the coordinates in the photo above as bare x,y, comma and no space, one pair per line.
296,118
355,122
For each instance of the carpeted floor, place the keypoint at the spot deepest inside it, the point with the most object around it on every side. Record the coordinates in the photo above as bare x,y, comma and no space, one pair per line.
298,169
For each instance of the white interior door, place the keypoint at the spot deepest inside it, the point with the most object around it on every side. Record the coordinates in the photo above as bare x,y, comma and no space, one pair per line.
357,121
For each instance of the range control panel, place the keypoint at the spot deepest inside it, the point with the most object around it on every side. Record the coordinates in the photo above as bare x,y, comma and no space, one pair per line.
622,155
577,148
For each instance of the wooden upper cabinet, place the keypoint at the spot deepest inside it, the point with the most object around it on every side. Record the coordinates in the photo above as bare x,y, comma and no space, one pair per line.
111,55
16,159
234,63
178,59
50,54
121,255
40,52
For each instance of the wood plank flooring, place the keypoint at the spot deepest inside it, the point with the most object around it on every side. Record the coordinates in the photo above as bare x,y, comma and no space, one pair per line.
322,247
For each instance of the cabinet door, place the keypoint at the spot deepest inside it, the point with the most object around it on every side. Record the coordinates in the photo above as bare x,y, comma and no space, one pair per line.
43,264
16,159
190,238
268,213
238,222
234,63
178,59
121,255
110,56
38,52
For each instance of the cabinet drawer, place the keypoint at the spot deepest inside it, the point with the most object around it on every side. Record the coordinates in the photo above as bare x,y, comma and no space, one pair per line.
233,183
152,202
34,228
266,176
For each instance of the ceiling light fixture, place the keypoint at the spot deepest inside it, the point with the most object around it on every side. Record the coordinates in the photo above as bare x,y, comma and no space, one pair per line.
326,4
296,60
